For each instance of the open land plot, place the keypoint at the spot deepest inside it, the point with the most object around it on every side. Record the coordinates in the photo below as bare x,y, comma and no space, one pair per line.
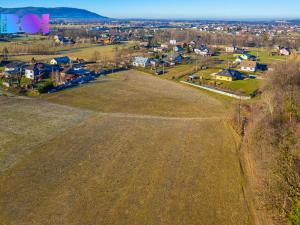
138,93
122,164
74,52
265,57
26,123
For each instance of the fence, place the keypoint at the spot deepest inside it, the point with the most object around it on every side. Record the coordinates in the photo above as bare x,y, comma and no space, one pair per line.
218,91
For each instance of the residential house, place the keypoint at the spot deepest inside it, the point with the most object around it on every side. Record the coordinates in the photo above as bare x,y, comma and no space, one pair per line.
39,70
154,62
165,46
229,75
173,59
14,68
245,56
192,44
202,50
173,42
230,49
181,44
178,48
63,40
60,60
234,49
285,51
144,44
158,49
250,66
141,62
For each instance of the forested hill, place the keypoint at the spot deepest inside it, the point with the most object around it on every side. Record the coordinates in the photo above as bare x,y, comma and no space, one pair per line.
63,13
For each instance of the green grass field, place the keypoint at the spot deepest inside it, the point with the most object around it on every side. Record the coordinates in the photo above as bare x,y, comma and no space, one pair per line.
206,73
127,149
247,86
264,56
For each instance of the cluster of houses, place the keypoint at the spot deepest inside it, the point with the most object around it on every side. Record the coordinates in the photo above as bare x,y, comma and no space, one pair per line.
102,40
180,47
108,40
170,59
59,39
61,70
171,54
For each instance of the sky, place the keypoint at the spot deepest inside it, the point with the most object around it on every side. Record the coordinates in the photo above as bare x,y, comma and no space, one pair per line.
172,9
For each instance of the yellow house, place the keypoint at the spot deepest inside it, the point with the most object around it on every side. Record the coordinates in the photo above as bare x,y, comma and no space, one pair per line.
229,75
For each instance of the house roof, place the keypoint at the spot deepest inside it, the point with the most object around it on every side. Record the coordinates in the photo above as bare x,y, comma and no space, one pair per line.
230,73
249,56
202,48
194,76
64,59
251,64
285,49
38,65
172,56
140,60
15,64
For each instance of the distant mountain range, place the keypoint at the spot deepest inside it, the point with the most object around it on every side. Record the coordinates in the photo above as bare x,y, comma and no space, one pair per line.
59,13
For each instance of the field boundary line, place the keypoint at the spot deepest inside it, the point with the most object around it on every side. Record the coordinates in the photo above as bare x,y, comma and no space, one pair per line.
218,91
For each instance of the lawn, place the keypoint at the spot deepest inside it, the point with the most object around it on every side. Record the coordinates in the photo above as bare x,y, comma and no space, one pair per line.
264,56
206,73
127,149
247,86
178,71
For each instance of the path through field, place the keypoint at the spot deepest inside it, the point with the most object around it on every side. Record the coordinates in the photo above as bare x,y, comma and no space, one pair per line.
119,153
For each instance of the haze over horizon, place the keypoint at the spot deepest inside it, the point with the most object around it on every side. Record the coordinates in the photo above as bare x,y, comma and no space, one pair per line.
191,9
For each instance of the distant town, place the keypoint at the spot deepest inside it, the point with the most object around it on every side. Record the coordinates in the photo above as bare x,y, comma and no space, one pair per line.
209,54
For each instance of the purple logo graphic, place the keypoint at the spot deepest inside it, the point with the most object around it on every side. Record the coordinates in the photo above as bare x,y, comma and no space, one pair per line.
30,24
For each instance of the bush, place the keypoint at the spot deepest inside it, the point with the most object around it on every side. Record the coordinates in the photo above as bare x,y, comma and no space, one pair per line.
32,93
294,217
45,86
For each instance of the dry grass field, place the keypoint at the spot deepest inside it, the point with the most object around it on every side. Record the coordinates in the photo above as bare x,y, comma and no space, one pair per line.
138,93
129,149
107,51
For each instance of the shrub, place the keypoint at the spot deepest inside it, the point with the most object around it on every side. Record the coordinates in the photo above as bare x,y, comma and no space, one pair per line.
294,217
45,86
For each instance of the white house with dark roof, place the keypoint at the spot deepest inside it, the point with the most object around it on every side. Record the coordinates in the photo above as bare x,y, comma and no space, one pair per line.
60,60
141,62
